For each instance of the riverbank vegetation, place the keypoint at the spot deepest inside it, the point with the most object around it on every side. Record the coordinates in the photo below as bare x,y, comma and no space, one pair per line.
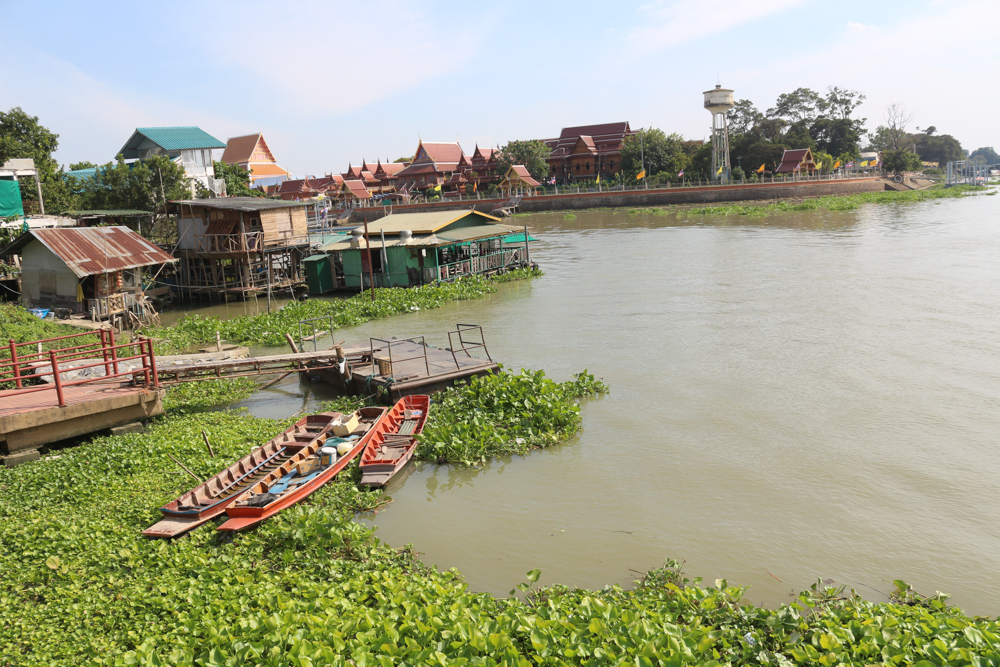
270,328
504,413
840,202
79,585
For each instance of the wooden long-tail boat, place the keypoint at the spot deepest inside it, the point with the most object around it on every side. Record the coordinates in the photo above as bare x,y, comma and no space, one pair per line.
299,477
210,499
392,447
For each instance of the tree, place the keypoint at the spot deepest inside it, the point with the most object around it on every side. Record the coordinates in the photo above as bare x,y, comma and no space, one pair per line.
837,136
985,155
653,151
531,153
895,135
237,180
743,118
145,185
942,148
802,104
898,161
73,166
22,136
841,102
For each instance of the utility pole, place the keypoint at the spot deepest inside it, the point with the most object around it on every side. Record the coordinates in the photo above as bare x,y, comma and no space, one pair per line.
368,249
642,158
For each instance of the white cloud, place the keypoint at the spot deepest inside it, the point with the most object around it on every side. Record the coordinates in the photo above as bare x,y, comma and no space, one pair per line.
670,23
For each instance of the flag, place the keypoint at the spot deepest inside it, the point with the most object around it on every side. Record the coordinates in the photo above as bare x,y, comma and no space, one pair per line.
680,174
474,186
718,172
864,163
849,165
437,188
641,174
598,178
761,170
836,164
797,166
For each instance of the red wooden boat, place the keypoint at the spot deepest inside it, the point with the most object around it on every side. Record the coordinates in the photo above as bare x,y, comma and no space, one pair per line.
210,499
392,447
299,477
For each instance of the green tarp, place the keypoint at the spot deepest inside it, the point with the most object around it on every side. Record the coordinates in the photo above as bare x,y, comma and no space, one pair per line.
10,199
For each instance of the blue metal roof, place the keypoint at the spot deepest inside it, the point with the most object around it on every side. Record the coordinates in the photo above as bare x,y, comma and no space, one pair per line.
172,139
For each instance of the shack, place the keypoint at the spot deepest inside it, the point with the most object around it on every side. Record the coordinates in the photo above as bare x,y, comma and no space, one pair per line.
799,160
411,249
95,271
239,246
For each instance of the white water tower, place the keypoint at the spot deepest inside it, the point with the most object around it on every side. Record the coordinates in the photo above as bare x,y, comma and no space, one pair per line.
718,102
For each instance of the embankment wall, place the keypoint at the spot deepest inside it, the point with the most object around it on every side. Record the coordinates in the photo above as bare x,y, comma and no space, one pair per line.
645,198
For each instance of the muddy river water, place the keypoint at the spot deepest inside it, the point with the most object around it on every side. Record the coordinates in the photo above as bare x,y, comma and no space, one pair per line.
800,396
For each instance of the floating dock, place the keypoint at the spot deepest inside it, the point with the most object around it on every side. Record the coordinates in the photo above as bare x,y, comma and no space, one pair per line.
394,367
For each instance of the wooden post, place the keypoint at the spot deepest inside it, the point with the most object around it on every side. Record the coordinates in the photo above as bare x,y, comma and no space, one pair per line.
56,378
152,361
185,468
207,443
104,352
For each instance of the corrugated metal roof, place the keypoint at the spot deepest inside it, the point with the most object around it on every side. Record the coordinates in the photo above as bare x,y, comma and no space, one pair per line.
237,203
91,250
109,213
426,223
472,233
180,138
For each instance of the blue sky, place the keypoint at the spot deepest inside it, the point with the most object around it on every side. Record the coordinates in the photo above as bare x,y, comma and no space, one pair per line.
333,82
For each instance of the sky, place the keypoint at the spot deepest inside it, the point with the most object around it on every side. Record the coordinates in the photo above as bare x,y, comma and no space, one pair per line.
331,83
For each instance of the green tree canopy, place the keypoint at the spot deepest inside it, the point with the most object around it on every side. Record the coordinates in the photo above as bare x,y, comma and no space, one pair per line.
532,153
985,155
22,136
653,150
144,185
940,148
237,180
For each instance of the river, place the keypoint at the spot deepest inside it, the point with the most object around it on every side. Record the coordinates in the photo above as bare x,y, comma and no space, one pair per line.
799,396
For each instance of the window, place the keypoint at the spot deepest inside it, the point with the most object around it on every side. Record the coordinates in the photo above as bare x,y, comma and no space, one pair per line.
588,166
578,166
612,165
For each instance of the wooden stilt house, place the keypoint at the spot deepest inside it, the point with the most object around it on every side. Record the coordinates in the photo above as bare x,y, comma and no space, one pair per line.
240,246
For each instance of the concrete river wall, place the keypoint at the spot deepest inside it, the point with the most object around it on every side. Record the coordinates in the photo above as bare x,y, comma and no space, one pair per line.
644,198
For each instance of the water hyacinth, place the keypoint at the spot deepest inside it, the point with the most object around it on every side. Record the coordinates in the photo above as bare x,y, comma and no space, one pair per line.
270,328
78,585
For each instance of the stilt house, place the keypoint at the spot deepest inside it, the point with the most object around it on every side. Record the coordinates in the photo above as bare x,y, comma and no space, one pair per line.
239,245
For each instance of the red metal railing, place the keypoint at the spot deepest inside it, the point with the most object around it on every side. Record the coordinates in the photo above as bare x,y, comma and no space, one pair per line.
111,357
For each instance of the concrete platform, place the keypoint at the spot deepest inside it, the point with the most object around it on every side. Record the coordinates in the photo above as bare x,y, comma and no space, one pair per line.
31,420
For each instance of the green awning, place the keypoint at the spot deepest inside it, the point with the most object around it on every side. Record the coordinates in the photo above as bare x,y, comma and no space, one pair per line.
517,238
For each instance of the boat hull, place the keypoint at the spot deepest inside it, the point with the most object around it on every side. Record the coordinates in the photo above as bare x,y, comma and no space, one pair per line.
240,517
393,447
211,498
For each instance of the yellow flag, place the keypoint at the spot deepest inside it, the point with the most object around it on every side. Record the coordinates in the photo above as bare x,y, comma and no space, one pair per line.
718,172
640,175
761,170
864,163
474,186
598,178
836,164
437,188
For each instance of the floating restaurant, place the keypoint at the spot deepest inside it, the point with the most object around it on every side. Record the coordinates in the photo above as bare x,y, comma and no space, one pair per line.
409,249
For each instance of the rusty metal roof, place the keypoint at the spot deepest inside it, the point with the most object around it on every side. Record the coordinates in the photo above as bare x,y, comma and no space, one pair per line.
245,204
91,250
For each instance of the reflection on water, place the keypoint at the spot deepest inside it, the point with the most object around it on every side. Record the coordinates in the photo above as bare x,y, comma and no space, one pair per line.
812,394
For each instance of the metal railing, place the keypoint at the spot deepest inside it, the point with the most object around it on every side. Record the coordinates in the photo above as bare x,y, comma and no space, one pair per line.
387,370
111,355
460,331
474,265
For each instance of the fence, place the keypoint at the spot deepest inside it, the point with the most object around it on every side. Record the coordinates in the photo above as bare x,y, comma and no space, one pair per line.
111,355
